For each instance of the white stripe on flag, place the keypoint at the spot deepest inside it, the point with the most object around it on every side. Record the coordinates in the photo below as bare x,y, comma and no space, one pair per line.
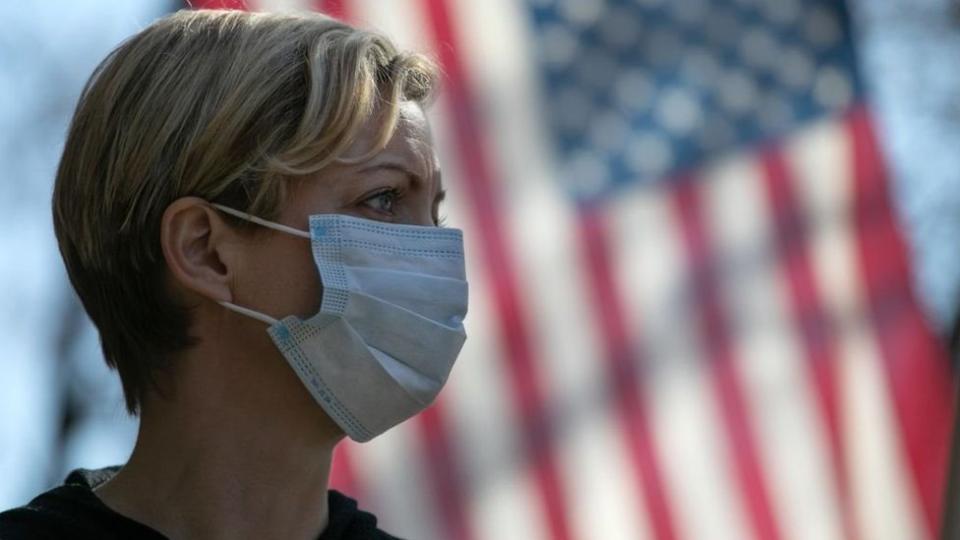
601,482
603,498
881,489
884,498
280,6
776,383
501,498
603,501
400,20
485,426
391,469
646,250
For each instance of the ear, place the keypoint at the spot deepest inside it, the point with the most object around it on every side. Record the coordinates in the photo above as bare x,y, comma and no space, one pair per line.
195,243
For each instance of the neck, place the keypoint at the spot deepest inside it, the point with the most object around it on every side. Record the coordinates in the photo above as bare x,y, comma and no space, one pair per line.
208,466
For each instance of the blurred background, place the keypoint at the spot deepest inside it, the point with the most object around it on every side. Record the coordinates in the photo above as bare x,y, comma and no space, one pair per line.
713,253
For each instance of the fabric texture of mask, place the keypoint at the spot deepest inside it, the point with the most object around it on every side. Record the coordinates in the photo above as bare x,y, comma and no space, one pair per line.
390,324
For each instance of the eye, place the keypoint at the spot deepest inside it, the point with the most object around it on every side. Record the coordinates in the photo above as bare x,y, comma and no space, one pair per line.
383,201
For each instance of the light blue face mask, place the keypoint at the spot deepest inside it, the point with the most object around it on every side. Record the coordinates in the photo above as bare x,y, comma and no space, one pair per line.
390,324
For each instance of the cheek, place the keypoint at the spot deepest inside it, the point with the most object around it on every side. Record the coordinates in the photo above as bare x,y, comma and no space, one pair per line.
282,279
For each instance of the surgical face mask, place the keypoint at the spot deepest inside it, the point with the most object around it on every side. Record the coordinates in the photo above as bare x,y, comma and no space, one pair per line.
390,324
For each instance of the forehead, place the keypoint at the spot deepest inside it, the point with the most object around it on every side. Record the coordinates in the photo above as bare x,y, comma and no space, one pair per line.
410,148
410,141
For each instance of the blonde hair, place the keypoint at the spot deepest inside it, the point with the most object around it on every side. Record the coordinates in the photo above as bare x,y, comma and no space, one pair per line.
223,105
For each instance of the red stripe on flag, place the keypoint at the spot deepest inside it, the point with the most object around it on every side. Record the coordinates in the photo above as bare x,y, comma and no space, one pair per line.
445,473
339,9
817,331
525,384
623,377
916,365
714,328
342,476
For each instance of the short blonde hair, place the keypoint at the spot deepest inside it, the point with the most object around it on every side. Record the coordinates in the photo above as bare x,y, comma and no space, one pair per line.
223,105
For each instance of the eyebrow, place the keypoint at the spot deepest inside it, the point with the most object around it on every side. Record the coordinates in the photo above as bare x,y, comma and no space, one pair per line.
391,166
397,167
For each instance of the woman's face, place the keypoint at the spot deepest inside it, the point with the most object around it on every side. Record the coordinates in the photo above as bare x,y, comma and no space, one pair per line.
401,184
275,273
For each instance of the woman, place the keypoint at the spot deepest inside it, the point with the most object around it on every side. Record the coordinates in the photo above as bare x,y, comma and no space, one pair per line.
248,208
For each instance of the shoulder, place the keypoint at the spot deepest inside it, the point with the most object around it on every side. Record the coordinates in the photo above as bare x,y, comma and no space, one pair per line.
53,514
69,511
348,522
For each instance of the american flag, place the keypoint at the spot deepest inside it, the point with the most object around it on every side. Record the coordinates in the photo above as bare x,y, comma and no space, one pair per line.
691,306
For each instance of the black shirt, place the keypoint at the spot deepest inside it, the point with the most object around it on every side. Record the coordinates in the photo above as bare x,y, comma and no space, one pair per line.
74,511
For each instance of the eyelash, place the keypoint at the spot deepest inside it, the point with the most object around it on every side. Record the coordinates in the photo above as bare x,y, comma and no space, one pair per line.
395,196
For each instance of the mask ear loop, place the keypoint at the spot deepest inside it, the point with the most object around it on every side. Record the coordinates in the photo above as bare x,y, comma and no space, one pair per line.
259,221
262,317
